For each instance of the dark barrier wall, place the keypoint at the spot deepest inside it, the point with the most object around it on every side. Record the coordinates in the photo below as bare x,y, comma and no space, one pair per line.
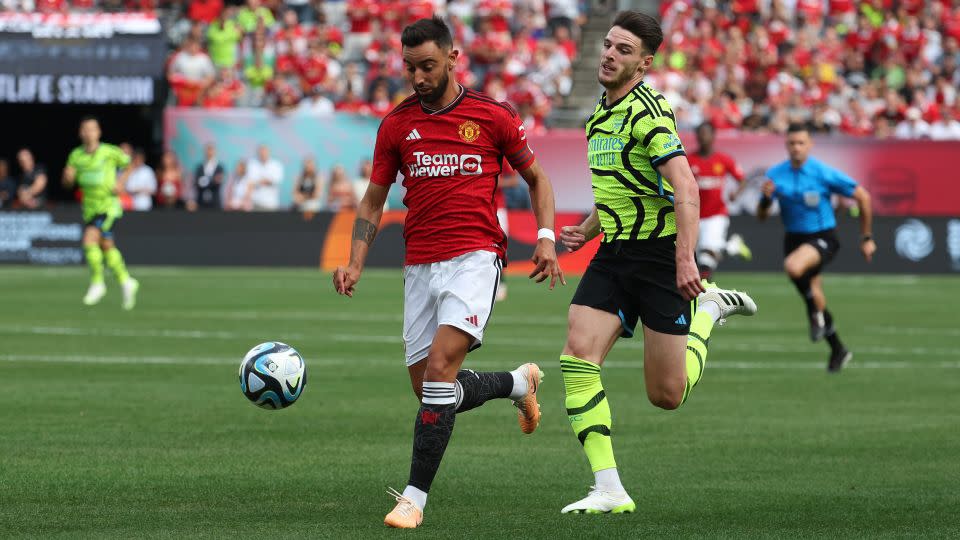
905,245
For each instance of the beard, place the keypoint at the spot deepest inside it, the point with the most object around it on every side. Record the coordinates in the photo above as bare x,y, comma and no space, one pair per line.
624,76
434,95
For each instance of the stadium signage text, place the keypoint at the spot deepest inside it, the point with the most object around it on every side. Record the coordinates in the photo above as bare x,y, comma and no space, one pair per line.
67,89
78,25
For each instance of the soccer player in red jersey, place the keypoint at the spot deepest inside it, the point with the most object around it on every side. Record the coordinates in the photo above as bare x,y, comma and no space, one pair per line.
711,170
448,143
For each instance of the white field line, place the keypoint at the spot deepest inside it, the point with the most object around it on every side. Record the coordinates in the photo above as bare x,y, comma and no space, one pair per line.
398,362
527,343
507,320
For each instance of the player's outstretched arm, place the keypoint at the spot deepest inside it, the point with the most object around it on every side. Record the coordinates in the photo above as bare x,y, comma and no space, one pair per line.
687,206
365,226
69,176
545,254
867,245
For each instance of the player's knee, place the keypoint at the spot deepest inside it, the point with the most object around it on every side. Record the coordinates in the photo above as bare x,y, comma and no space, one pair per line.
440,367
578,347
793,268
666,398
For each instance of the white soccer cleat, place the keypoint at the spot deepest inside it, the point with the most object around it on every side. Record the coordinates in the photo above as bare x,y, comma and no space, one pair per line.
736,247
602,502
95,294
731,302
130,288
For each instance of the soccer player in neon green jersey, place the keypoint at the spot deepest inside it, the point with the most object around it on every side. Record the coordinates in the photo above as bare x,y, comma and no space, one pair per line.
93,167
646,204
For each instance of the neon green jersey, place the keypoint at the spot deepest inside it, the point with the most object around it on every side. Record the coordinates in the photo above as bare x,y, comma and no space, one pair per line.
626,142
97,178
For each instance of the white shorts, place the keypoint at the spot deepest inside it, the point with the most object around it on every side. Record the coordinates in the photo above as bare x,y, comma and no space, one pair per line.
713,233
458,292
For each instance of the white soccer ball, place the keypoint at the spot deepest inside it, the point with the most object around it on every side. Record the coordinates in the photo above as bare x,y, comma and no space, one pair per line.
272,375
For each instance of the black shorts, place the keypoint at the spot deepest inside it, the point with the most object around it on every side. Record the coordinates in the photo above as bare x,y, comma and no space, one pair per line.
106,223
636,279
824,242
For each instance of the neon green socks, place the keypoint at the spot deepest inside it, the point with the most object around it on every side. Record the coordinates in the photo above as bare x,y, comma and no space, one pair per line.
95,262
588,410
116,265
697,341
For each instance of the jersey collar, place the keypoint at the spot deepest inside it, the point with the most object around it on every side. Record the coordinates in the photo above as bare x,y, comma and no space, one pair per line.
603,98
451,106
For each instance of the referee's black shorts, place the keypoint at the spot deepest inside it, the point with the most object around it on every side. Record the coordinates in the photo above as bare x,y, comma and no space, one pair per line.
825,242
636,280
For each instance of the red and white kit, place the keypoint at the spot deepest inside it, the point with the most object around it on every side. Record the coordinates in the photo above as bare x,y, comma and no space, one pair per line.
450,161
711,173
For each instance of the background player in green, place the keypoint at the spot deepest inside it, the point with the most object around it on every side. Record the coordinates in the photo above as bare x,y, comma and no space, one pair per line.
93,167
646,203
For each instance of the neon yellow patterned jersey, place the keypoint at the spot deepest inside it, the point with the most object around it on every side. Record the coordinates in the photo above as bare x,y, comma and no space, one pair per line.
97,178
626,142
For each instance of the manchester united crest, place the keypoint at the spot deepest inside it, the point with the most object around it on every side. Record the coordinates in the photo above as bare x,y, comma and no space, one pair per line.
469,131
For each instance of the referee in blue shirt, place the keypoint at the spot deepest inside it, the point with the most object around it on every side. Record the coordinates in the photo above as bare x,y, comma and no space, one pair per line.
803,185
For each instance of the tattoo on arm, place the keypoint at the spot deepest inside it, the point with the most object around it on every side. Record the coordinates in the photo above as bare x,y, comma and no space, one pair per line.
364,230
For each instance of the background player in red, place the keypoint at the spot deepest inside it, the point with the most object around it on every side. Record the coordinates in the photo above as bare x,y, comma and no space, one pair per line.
448,143
711,170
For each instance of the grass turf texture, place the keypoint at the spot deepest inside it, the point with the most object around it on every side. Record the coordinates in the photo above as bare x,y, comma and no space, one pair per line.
133,425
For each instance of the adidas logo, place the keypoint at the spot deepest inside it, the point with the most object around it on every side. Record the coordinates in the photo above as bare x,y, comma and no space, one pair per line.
681,320
414,135
472,320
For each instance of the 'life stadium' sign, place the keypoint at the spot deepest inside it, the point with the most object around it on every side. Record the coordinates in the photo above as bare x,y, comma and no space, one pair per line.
80,58
67,89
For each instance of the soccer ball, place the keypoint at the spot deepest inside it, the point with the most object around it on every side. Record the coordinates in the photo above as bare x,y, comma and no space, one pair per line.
272,375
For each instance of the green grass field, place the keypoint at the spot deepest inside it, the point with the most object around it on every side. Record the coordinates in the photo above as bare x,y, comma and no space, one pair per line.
133,425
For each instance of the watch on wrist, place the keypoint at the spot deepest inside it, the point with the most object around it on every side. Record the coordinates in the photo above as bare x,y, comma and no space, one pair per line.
866,238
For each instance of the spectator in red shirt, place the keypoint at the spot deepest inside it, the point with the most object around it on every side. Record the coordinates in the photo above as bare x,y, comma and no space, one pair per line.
292,38
170,180
380,103
315,69
205,11
225,92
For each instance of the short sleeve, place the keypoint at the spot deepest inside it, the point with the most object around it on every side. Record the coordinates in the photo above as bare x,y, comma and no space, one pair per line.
838,182
386,155
72,159
771,175
734,168
658,136
513,142
120,159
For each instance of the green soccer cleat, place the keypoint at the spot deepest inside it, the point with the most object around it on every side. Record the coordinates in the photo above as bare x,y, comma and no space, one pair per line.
602,502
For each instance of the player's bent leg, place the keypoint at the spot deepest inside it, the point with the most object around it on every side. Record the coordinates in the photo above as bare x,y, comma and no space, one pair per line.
802,266
591,334
434,422
664,368
94,257
115,263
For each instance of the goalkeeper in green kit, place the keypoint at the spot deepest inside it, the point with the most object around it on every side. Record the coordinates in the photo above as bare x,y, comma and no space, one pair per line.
92,166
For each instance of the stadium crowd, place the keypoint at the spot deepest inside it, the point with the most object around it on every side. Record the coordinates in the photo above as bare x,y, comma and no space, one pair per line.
882,68
320,57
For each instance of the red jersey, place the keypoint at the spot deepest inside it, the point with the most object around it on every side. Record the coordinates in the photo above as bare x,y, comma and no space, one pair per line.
711,173
450,161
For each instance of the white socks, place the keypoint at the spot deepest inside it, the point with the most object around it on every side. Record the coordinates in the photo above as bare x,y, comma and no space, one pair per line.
608,480
418,497
712,308
519,385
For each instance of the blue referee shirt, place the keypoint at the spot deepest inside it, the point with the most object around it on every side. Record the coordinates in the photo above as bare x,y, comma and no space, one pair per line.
804,194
